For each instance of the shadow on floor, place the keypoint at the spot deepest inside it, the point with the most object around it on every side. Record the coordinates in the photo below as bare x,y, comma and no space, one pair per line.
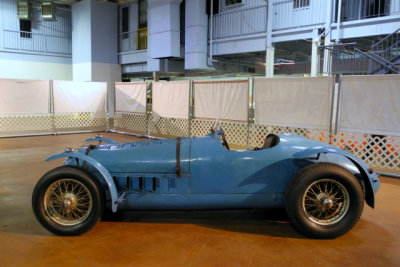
271,222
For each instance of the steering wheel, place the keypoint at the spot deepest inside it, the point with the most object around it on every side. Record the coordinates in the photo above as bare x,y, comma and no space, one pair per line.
224,142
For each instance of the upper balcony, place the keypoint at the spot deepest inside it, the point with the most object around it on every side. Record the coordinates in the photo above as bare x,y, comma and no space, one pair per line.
134,40
290,15
35,36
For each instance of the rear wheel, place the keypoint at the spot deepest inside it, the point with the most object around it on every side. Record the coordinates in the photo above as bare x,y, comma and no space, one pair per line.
67,201
324,201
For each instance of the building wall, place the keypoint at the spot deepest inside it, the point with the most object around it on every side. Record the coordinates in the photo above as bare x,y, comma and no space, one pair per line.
245,4
24,66
242,28
45,55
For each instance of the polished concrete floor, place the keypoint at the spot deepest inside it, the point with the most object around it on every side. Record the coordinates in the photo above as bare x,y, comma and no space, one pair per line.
203,238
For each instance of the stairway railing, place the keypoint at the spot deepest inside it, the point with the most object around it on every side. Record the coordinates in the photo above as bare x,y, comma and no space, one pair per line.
347,59
389,47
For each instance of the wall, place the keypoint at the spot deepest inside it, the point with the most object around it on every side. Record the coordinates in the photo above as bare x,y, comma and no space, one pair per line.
95,41
46,55
21,66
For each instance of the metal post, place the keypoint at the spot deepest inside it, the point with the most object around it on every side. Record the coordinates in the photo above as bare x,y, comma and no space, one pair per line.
337,80
149,100
211,31
270,50
334,106
339,7
191,110
52,109
250,112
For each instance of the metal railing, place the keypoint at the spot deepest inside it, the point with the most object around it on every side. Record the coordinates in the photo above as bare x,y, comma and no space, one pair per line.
388,48
347,59
133,40
141,39
289,14
365,9
37,43
240,22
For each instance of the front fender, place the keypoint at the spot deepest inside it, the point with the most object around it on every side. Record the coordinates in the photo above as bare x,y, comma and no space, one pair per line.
103,171
347,161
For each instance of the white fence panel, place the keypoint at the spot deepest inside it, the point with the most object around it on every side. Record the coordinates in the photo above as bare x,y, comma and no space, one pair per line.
130,97
294,102
225,100
79,96
24,96
171,99
370,104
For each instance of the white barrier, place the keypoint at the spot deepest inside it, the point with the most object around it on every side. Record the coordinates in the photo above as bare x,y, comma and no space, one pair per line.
45,107
24,96
221,100
130,97
370,104
294,102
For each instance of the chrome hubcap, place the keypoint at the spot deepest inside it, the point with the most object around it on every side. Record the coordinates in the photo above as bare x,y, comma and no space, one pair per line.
68,202
326,202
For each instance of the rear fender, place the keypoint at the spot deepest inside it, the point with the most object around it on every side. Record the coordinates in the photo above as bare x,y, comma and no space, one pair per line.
345,160
103,171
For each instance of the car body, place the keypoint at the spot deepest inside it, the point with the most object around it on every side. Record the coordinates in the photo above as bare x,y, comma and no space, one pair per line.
203,173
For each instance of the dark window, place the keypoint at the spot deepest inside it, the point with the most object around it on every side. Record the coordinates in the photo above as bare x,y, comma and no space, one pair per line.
232,2
142,14
182,22
215,7
301,3
125,22
25,27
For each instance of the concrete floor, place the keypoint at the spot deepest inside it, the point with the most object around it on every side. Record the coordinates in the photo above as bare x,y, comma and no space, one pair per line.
203,238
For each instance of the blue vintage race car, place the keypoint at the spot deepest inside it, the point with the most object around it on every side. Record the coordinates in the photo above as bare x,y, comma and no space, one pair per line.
321,187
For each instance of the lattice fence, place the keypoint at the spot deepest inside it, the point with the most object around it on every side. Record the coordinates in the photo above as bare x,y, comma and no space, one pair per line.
258,133
167,127
378,151
80,121
236,132
17,124
133,122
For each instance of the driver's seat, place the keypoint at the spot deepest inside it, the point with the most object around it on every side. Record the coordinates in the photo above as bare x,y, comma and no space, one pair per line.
271,141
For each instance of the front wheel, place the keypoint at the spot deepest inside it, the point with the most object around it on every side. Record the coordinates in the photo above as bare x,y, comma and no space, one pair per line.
324,201
67,201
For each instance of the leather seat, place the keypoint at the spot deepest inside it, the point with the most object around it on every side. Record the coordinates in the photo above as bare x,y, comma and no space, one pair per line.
271,141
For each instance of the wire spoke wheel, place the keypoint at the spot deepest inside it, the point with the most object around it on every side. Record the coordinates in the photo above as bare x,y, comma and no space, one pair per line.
326,201
68,202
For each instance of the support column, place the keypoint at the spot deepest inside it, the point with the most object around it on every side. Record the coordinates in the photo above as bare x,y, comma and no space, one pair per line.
195,34
269,62
327,68
315,58
95,44
270,49
164,28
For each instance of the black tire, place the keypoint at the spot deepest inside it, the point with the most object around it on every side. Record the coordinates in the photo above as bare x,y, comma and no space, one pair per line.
324,201
57,196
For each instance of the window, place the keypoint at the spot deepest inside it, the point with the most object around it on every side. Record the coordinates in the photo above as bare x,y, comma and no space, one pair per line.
232,2
143,14
125,23
301,3
215,7
25,27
